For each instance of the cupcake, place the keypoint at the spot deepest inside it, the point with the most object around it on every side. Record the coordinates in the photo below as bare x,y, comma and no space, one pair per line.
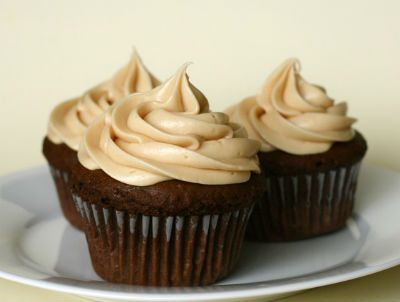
69,120
310,155
166,188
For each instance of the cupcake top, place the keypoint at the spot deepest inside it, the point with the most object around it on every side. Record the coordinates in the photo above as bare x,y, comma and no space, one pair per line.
292,115
169,133
69,120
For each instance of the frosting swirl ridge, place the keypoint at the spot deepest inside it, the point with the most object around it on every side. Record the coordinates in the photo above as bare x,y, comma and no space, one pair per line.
169,133
293,115
69,120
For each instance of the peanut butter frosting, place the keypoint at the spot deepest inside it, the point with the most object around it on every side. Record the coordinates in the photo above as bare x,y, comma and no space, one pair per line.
69,120
293,115
169,133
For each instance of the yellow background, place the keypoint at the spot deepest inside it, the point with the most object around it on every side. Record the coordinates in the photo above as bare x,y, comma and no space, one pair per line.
53,50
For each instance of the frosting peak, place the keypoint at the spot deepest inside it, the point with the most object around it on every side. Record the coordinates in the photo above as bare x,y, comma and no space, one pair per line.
169,133
69,120
134,77
180,95
293,115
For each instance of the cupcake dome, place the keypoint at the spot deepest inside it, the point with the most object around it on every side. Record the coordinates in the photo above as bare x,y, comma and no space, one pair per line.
292,115
69,120
169,133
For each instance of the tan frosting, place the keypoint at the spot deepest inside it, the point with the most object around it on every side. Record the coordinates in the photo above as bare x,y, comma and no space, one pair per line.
293,115
69,120
169,133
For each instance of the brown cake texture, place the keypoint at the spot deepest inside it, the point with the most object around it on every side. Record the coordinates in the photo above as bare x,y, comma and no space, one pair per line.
307,195
172,233
61,160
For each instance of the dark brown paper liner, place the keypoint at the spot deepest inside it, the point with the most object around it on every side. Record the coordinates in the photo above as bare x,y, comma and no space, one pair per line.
162,251
61,180
301,206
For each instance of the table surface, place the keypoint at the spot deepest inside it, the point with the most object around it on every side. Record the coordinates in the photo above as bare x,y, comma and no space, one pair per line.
54,50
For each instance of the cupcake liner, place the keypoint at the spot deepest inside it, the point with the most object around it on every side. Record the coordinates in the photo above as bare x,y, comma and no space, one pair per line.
162,251
61,180
300,206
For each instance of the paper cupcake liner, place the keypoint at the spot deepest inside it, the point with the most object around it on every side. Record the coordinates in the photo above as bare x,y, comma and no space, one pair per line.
162,251
61,180
302,206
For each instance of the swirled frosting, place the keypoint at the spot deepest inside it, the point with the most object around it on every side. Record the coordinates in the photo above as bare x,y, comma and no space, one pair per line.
293,115
69,120
169,133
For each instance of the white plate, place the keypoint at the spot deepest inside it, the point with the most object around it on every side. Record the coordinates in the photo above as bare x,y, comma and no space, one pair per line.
38,247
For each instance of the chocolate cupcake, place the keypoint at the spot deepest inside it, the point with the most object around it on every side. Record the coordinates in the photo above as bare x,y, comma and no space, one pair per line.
69,120
310,155
166,188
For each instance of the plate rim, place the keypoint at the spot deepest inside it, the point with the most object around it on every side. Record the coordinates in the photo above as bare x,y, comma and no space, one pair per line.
254,292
